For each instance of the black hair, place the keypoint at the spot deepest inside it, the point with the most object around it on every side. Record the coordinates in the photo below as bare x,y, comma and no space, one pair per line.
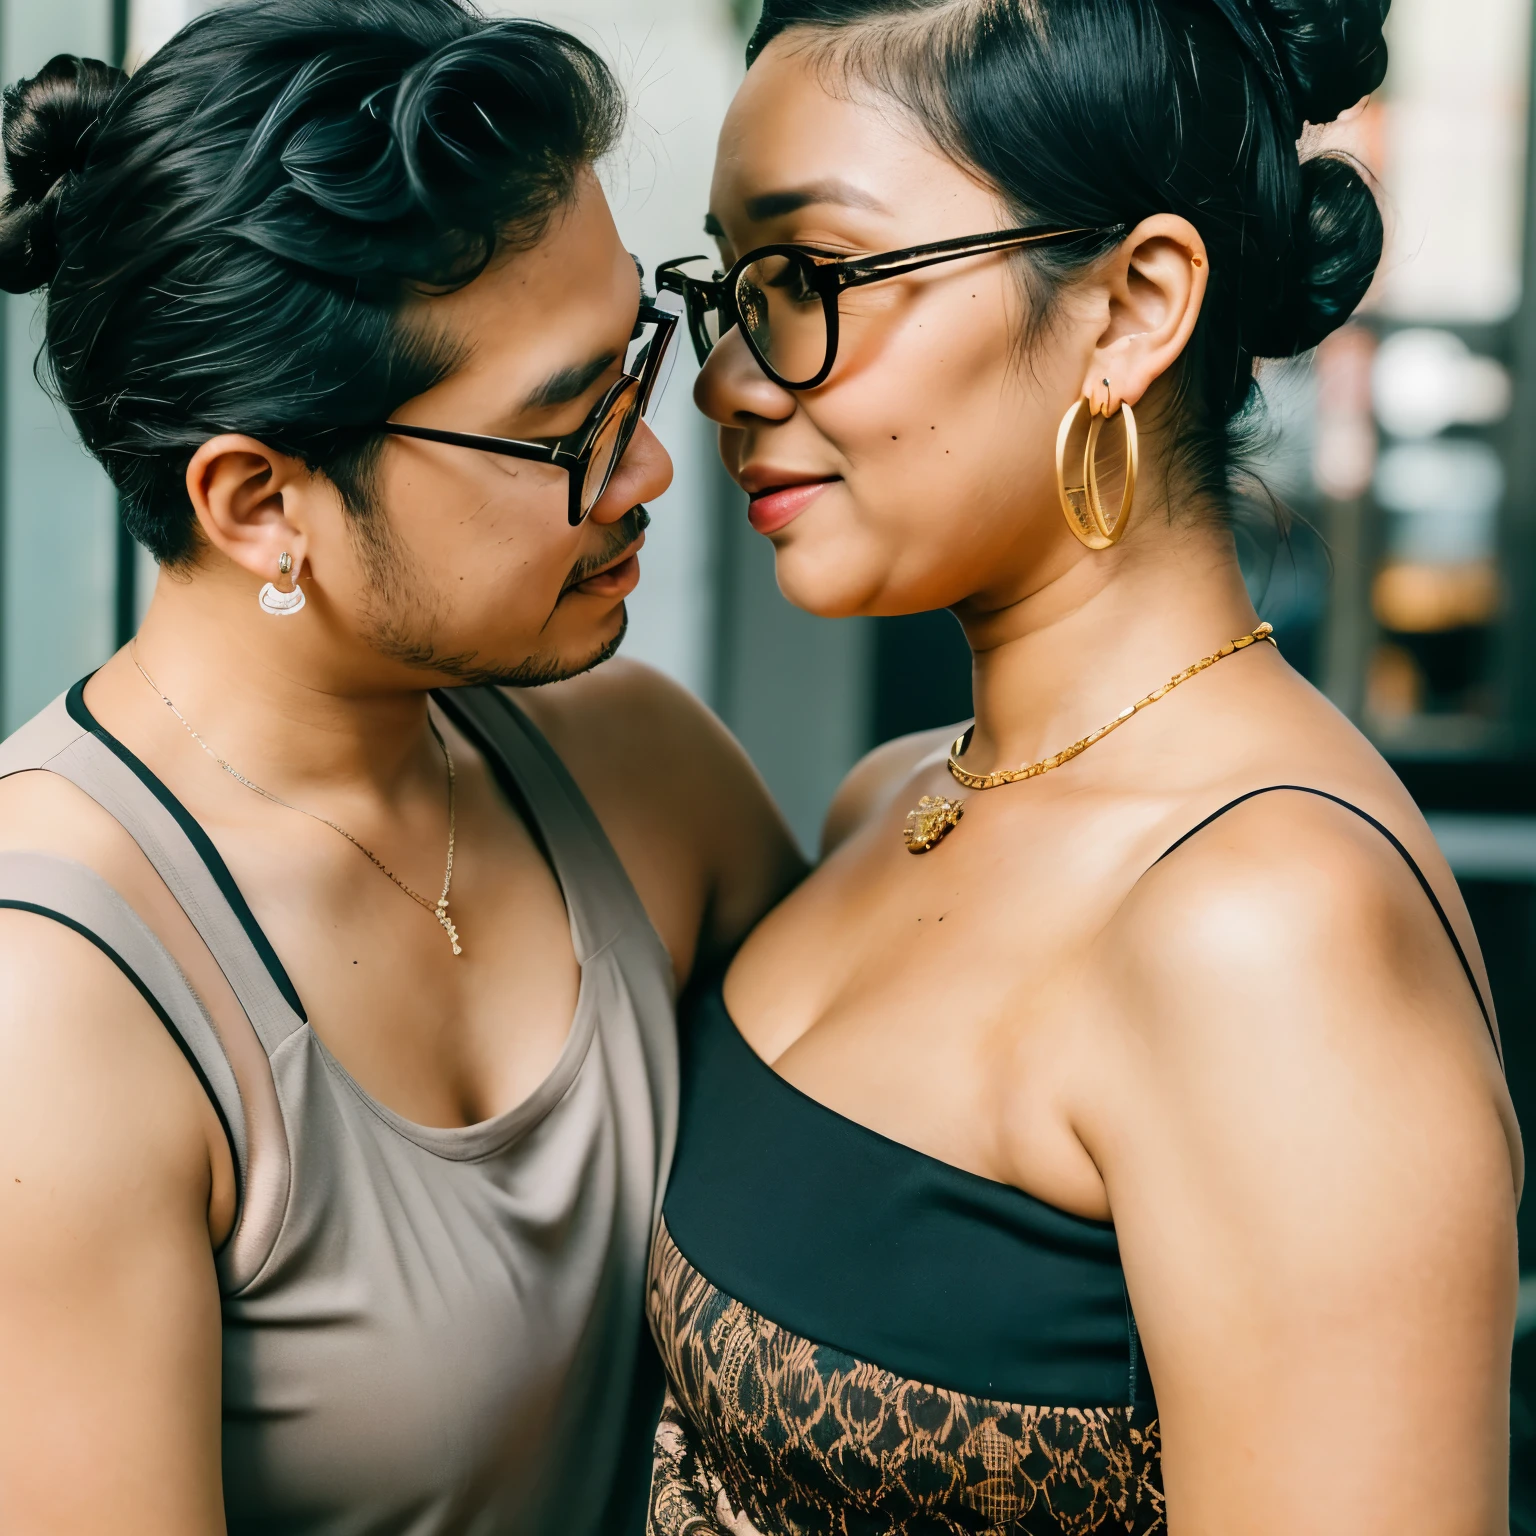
1100,113
229,237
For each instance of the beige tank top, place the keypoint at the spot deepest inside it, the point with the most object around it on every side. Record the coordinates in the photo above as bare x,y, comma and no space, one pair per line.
426,1331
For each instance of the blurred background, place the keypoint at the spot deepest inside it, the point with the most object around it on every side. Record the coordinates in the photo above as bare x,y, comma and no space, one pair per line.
1404,586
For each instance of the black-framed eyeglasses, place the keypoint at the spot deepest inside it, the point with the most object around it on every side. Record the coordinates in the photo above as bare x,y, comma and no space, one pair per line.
784,297
591,453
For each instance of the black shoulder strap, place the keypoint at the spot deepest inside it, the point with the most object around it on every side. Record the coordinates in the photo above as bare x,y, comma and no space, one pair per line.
1408,859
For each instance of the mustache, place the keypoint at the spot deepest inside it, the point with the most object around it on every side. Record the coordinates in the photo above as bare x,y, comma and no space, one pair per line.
620,537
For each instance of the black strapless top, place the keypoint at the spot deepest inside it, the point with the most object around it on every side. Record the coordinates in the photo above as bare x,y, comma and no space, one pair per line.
849,1238
862,1340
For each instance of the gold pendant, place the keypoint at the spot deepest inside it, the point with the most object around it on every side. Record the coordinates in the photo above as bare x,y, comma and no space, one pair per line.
440,912
933,820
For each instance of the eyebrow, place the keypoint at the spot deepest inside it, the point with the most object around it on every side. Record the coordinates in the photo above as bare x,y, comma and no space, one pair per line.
773,205
567,384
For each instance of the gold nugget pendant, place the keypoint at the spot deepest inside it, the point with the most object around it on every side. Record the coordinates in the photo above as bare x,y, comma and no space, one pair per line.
933,820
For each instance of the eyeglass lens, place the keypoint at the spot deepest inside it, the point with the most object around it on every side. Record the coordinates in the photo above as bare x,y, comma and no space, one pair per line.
613,437
782,312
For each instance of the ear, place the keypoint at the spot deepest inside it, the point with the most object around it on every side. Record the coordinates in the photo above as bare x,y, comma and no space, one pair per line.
1156,284
249,503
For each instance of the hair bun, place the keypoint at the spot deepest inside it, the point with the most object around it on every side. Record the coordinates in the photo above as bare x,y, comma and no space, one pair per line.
1338,247
50,121
1331,52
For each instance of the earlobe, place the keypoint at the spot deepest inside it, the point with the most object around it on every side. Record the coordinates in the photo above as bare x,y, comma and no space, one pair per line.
242,493
274,600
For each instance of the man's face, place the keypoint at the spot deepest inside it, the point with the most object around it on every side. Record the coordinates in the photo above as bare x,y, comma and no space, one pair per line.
471,570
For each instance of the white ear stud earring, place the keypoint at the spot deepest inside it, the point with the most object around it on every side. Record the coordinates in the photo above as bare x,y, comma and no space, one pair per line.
273,600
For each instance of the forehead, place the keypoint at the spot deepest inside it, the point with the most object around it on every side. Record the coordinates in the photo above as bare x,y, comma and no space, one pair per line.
797,120
571,295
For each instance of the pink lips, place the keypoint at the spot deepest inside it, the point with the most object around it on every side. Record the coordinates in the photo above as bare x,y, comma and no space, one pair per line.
777,508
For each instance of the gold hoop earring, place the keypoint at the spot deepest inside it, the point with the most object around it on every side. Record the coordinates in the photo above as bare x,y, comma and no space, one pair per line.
1115,531
1074,498
1082,504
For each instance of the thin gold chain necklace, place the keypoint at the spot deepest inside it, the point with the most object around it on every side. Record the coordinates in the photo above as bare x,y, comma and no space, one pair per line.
438,908
935,817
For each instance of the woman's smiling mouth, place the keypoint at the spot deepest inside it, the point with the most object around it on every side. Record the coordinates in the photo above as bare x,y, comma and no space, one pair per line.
777,506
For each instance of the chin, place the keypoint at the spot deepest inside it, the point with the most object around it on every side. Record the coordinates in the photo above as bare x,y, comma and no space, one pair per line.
603,651
553,665
572,660
822,585
591,644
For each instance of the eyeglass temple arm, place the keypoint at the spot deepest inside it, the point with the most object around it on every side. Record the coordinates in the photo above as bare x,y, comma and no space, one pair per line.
668,276
549,450
509,447
656,348
852,274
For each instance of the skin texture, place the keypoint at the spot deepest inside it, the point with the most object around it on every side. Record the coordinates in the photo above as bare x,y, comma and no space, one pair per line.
115,1180
1260,1057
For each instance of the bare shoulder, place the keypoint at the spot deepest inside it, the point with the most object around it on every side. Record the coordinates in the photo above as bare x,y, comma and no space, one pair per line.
77,1037
82,1060
1289,884
625,705
1314,1177
639,743
109,1303
1289,935
688,813
874,779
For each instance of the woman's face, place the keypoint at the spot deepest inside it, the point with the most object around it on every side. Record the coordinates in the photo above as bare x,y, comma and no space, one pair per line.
921,474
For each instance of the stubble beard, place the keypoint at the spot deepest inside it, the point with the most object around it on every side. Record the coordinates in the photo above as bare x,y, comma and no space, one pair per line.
403,624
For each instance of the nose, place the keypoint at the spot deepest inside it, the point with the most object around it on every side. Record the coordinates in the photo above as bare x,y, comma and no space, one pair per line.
733,390
643,474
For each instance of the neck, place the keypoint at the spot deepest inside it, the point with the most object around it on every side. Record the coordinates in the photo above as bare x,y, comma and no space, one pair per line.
1064,659
277,698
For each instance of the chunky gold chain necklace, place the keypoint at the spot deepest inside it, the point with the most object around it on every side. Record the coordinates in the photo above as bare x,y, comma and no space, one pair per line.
438,908
935,817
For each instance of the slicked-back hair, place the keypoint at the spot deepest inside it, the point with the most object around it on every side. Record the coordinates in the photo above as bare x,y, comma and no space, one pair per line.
229,239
